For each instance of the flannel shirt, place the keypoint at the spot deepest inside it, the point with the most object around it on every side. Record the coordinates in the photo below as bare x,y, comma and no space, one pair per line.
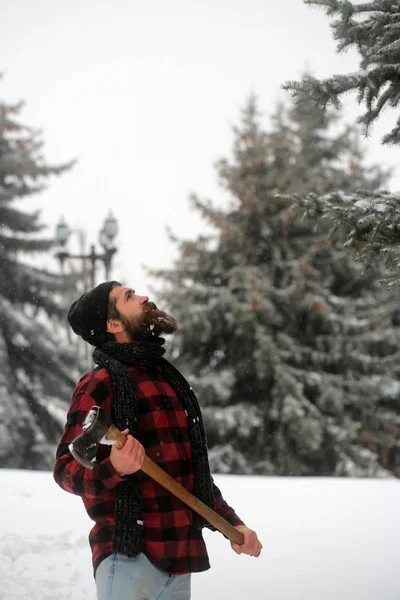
170,540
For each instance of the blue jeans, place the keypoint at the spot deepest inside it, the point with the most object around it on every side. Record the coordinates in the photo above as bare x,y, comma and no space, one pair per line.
119,577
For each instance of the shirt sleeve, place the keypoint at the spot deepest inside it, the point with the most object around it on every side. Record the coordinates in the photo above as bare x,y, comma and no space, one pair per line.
70,475
223,509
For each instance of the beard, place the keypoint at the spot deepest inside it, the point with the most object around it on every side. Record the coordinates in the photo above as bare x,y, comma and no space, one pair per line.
150,325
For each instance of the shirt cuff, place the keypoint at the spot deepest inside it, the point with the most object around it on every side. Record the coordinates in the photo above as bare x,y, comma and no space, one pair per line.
108,475
234,520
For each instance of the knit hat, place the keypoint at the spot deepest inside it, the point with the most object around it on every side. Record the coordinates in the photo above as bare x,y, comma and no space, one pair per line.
88,315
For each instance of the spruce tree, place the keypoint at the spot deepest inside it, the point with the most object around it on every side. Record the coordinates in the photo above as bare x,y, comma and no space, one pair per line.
36,368
289,344
370,221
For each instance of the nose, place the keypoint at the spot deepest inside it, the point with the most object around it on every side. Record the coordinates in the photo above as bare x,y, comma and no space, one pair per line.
143,299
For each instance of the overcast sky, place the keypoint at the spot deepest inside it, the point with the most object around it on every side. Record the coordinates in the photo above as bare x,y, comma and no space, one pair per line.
144,95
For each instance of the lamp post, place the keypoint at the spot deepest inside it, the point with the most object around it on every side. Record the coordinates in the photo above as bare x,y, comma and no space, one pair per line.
89,261
107,237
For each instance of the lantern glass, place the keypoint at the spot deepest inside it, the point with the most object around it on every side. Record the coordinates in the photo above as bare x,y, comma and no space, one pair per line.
62,232
110,227
104,239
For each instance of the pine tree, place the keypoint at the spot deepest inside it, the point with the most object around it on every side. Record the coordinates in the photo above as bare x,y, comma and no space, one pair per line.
370,221
36,368
289,344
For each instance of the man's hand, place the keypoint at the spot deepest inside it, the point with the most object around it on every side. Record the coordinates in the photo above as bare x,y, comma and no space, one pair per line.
251,546
130,458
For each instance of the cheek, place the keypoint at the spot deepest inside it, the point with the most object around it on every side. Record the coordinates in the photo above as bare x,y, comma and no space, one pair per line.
136,310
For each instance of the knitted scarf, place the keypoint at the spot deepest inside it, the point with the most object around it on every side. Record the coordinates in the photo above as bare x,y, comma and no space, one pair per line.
116,357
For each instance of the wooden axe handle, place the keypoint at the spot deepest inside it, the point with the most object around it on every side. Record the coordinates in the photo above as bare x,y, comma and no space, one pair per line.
160,476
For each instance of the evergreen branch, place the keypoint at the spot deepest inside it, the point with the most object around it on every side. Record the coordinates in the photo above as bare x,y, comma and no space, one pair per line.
41,345
370,222
18,221
34,275
215,217
394,136
377,81
20,244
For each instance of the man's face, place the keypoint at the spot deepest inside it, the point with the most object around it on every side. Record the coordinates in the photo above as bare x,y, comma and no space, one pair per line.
141,319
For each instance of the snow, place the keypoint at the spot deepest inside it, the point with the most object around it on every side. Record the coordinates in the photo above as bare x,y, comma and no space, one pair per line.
323,538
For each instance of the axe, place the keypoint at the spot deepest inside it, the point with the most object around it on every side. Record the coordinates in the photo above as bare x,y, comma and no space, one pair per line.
98,429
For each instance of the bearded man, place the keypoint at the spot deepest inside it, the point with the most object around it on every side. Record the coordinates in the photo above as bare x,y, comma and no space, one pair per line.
145,542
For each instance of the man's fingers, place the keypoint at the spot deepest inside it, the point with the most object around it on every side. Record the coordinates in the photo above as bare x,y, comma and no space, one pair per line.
139,451
127,447
120,445
257,550
129,444
136,449
140,458
236,548
251,548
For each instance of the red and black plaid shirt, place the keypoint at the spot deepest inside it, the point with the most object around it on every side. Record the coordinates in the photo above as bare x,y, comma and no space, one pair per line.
171,541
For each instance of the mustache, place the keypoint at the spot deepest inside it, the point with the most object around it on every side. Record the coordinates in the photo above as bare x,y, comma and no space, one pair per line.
155,317
150,306
158,320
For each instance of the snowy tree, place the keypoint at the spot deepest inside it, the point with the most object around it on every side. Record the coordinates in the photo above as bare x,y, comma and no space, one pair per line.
36,367
291,347
371,221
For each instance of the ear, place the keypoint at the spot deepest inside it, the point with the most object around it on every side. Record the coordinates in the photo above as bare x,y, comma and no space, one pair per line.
114,326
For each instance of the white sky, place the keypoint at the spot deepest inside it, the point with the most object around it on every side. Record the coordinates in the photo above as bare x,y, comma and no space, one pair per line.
144,94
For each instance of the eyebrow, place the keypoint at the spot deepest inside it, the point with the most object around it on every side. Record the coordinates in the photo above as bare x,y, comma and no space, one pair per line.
127,292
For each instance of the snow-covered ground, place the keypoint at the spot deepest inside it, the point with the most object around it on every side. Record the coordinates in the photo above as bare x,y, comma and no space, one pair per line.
324,539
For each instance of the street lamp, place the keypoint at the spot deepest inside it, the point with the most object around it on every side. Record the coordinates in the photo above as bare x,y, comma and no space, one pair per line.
62,232
106,238
110,227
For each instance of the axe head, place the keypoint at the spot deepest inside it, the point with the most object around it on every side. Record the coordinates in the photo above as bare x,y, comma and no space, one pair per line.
95,427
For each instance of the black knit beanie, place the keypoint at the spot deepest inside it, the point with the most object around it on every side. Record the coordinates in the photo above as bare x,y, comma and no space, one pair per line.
88,315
